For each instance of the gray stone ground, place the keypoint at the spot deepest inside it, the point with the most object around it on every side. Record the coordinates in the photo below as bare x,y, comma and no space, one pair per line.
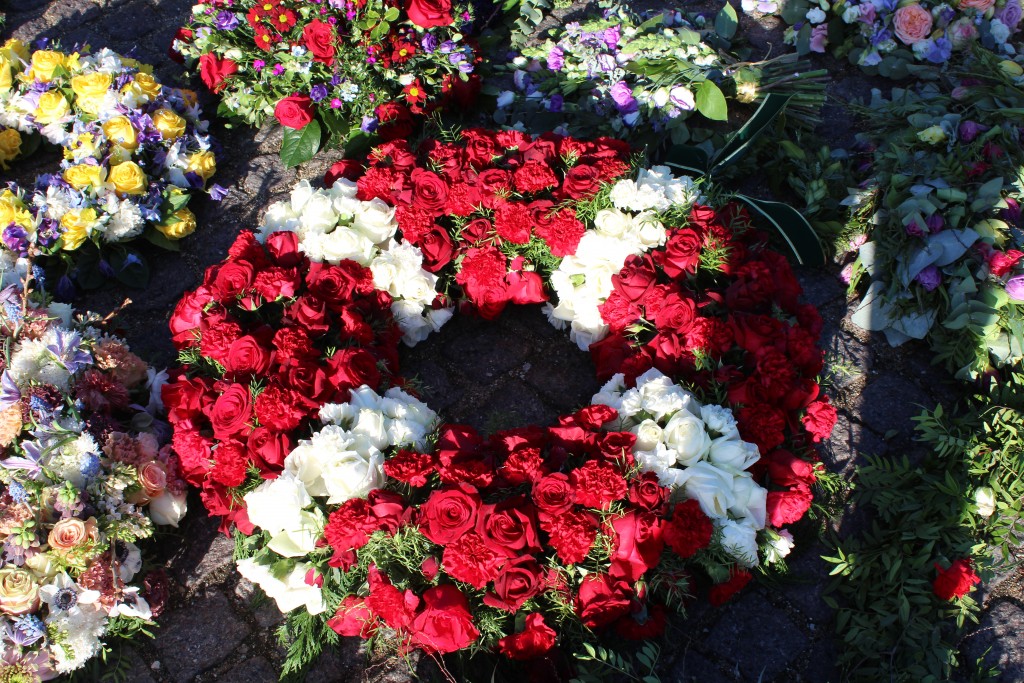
492,376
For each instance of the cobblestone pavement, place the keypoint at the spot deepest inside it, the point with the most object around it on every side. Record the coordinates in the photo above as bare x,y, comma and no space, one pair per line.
492,376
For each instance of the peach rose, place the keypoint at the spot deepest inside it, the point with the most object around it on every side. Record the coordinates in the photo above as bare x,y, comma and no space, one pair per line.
980,5
71,533
19,592
912,24
153,478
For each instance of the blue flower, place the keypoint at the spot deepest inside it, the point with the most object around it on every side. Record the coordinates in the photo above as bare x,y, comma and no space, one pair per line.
318,93
218,192
18,493
90,465
66,348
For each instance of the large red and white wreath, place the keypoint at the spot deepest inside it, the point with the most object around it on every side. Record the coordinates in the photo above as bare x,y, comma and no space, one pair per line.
358,506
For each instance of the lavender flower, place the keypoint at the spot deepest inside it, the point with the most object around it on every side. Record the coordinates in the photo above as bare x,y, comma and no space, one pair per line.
226,21
1012,213
318,92
929,278
556,59
429,43
622,94
611,37
66,348
1015,288
969,130
914,229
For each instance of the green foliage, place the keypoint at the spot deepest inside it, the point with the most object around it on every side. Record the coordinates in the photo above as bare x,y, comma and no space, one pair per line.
596,664
892,625
299,146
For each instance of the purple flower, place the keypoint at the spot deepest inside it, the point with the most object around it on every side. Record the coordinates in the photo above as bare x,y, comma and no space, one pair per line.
447,46
318,92
1010,14
1015,287
935,223
929,278
623,97
1012,212
611,37
556,59
939,51
914,229
369,124
258,64
47,232
226,21
218,192
969,130
429,43
66,348
15,238
278,69
682,98
336,103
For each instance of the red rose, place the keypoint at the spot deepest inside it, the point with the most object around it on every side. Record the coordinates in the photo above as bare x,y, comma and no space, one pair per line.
597,484
352,368
353,618
553,494
319,38
429,191
602,599
269,449
394,121
214,71
186,398
682,253
689,530
437,249
494,185
188,315
445,623
955,582
476,230
349,169
449,513
646,493
636,278
677,313
247,358
580,182
785,469
721,593
309,380
519,580
535,640
638,545
337,284
184,35
429,13
309,313
294,112
786,507
571,535
525,288
283,246
231,412
481,147
508,528
470,560
231,279
819,420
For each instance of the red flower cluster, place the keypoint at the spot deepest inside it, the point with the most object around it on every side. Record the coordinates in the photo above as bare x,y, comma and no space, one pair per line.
955,582
500,512
482,200
269,318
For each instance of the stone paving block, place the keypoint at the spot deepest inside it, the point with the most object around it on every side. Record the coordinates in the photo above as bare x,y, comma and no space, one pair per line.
692,667
486,351
821,663
849,443
759,638
889,402
138,671
253,670
820,285
188,646
1002,630
564,376
204,556
432,380
513,404
805,588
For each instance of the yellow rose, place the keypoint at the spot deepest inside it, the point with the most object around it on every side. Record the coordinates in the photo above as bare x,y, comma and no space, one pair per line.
19,592
202,163
6,75
14,48
84,175
128,178
179,224
91,85
170,125
52,107
1011,68
76,224
10,208
121,131
44,63
147,85
10,146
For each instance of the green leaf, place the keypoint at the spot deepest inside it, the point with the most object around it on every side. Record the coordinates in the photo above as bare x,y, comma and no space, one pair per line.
711,101
726,22
299,146
130,269
689,159
795,230
154,236
392,14
739,142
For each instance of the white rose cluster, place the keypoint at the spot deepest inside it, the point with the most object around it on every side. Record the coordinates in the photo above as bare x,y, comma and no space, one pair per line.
344,460
583,281
696,448
333,225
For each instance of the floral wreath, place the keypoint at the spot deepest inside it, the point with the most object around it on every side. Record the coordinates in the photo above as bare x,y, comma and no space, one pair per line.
357,510
85,475
134,152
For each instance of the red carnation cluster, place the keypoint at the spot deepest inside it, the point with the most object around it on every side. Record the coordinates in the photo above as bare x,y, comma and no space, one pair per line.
499,513
481,201
732,320
270,337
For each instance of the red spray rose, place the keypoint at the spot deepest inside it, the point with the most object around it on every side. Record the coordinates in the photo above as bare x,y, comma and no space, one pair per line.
535,640
955,582
215,71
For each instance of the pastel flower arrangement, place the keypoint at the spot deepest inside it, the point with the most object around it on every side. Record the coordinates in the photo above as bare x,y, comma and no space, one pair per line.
891,37
84,478
342,71
135,151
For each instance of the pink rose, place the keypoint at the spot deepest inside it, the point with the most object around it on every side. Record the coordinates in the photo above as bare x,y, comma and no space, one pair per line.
980,5
912,23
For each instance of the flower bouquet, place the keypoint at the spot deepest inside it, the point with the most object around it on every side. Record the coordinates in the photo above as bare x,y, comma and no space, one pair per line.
943,256
898,39
643,81
134,152
83,478
357,510
339,71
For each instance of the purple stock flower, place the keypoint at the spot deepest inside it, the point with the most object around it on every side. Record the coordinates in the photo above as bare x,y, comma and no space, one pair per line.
556,59
15,238
929,278
1015,287
318,92
623,97
226,21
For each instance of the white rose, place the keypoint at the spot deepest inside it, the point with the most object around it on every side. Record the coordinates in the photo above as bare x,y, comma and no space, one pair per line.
612,223
318,213
732,454
740,541
301,193
289,593
709,486
720,420
365,397
648,435
353,474
277,504
651,232
298,539
985,499
340,414
344,188
277,218
779,545
168,508
371,424
386,270
751,501
688,436
376,220
345,243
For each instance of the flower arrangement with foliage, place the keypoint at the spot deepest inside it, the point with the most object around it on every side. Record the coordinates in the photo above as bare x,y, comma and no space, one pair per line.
341,71
943,254
896,39
83,478
358,511
642,81
134,153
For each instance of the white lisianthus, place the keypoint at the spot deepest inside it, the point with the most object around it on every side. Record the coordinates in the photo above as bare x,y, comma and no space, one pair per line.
290,592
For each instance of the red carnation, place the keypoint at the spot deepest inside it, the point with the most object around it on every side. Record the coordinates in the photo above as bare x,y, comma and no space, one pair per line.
689,530
721,593
470,560
534,176
819,420
786,507
513,222
571,535
279,409
955,582
410,467
597,484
